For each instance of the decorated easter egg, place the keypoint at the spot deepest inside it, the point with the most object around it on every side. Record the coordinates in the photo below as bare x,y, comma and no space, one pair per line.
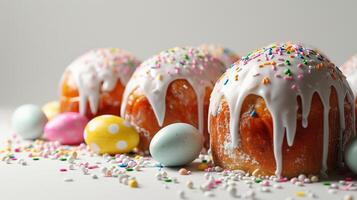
351,155
67,128
28,121
176,144
51,109
110,134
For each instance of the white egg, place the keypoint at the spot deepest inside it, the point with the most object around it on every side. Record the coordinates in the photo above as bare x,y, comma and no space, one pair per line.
28,121
176,144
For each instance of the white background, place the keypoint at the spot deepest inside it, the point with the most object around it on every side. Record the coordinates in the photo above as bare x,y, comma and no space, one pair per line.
39,38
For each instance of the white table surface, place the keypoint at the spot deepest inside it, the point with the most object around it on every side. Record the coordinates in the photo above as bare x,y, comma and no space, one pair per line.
43,180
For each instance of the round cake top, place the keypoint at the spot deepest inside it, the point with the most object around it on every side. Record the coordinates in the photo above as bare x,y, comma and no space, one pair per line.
280,73
98,70
154,75
225,55
350,69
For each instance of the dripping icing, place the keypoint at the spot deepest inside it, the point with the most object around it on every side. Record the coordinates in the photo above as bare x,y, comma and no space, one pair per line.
154,76
98,70
284,69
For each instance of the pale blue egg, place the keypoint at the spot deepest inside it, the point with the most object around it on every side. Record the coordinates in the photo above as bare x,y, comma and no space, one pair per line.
351,155
176,144
28,121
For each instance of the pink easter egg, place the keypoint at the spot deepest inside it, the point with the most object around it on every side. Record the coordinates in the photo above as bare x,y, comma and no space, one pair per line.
67,128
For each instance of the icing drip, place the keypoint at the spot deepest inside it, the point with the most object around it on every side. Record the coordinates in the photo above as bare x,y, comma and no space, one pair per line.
154,76
280,73
98,70
225,55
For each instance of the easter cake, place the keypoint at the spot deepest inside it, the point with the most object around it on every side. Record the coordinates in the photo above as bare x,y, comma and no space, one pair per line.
282,110
93,84
173,86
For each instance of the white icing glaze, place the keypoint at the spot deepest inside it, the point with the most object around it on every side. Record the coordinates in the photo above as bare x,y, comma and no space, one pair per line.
154,76
225,55
98,70
286,78
350,69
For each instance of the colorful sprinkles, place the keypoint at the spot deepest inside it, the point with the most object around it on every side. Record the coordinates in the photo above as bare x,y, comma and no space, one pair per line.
294,50
119,167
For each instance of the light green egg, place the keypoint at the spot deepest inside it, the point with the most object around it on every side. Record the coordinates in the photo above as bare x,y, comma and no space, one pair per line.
28,121
176,145
351,155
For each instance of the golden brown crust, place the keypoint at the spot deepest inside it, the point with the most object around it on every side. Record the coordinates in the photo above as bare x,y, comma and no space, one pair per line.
181,106
255,153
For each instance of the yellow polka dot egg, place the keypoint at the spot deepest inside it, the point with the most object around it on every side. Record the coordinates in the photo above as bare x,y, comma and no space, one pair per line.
110,134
